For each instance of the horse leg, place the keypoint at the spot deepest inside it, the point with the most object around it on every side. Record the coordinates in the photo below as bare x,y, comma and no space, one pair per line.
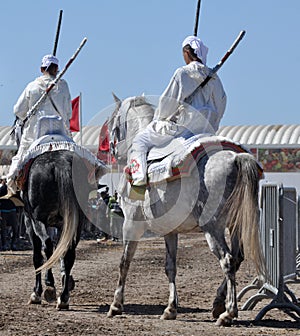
116,307
71,283
67,262
36,295
219,301
218,246
238,257
171,241
50,291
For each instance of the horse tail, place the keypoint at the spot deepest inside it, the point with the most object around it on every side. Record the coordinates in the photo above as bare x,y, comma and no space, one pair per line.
243,210
70,213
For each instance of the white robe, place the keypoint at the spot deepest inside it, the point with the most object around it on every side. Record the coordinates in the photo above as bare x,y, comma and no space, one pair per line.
200,110
61,97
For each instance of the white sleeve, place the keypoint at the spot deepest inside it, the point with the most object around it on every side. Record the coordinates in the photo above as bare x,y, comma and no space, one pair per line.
22,105
67,102
169,99
219,97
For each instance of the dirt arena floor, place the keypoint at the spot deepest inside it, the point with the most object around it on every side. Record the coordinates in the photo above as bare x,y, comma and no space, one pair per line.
96,272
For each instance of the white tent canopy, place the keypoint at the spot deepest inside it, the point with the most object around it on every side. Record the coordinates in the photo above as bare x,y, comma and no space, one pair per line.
259,135
249,135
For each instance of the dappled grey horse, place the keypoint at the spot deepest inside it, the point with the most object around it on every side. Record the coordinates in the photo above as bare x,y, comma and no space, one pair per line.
220,192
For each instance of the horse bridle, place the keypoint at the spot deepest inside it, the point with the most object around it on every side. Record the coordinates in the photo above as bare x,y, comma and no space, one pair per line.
119,129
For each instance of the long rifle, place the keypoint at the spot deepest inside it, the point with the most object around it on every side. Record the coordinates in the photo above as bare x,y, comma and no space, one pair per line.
225,57
215,69
57,32
32,111
197,18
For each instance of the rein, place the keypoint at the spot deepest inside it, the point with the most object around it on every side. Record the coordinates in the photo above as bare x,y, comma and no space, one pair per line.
118,133
119,129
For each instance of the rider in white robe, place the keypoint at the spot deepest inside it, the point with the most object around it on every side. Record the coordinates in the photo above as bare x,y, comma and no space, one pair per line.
57,103
184,109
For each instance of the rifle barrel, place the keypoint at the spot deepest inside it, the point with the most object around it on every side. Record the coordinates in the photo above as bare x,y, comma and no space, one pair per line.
57,32
197,18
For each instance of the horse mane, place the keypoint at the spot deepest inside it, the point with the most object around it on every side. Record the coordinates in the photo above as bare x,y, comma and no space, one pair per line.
137,117
126,122
140,101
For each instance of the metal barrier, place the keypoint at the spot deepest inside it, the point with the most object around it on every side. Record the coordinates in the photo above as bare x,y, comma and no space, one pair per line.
279,236
298,238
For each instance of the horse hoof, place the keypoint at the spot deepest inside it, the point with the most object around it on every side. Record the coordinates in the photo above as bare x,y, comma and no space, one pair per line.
35,299
218,309
224,322
169,314
113,311
50,294
62,305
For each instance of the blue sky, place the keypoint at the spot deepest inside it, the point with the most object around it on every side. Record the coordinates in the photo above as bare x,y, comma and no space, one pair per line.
134,47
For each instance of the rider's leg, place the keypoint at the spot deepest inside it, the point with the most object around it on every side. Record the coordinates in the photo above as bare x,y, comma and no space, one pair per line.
138,157
157,133
13,169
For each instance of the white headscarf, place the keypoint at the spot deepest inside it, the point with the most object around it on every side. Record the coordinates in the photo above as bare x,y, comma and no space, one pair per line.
199,48
48,59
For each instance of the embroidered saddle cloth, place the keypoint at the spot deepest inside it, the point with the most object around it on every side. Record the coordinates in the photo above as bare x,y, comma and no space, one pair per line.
56,142
178,158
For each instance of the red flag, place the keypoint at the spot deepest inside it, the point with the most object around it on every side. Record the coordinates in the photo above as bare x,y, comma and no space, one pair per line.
103,148
74,121
104,138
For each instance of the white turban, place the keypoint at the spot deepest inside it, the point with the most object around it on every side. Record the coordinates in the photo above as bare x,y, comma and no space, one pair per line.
199,48
47,60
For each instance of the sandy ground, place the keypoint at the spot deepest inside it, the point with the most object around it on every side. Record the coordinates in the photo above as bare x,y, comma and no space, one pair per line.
96,272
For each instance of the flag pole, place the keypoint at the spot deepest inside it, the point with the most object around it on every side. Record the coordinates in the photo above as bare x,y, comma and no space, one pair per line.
80,117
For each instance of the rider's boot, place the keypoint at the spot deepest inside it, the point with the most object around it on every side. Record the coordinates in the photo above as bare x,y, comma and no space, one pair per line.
11,183
138,169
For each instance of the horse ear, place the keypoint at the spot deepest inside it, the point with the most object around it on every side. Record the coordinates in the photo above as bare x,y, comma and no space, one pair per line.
117,100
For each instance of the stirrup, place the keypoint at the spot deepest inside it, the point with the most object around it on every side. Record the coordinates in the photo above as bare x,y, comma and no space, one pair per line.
137,192
140,182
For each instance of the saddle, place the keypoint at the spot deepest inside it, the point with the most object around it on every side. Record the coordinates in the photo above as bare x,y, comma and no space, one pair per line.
177,158
50,129
52,137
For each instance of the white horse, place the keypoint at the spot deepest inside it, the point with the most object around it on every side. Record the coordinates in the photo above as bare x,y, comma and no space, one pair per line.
221,191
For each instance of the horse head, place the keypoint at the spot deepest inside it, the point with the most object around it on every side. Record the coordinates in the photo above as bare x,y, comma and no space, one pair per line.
129,117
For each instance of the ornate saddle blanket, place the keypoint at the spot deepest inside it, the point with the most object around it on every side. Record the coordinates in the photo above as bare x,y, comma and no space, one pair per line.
56,142
177,158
